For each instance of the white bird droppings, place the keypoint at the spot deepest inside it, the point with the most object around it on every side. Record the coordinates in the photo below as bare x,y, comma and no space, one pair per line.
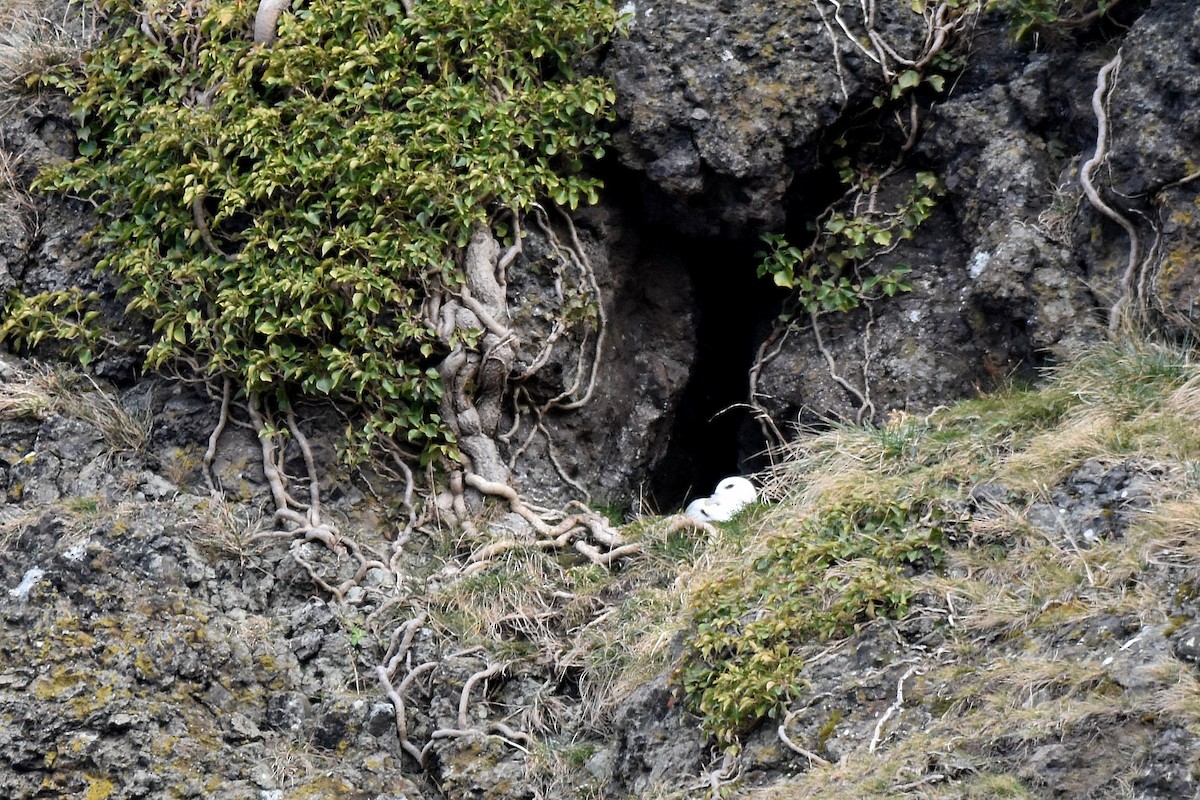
979,263
27,583
75,552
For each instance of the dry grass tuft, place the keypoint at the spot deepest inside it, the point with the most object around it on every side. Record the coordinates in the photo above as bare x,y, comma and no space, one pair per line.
40,392
15,199
37,36
1052,455
13,521
1026,653
1170,535
226,526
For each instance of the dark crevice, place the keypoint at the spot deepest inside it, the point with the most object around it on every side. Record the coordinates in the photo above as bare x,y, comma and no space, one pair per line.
714,433
734,309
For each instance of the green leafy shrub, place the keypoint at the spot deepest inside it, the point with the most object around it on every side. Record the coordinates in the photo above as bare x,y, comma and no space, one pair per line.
64,316
830,274
283,213
1029,15
851,563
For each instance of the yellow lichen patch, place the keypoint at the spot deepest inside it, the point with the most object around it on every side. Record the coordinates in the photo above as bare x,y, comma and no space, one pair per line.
77,744
83,692
67,633
1181,217
89,702
120,637
52,786
98,788
326,786
61,680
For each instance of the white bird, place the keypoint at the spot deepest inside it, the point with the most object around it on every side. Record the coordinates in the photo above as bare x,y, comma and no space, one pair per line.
703,509
731,496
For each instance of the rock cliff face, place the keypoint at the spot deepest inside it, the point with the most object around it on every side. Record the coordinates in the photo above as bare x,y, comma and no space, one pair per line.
725,103
1155,119
727,115
150,650
644,362
725,109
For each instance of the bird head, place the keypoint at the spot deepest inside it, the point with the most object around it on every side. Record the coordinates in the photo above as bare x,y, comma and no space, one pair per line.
734,493
701,510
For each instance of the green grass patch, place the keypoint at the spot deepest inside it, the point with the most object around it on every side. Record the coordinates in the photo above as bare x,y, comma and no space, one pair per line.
851,563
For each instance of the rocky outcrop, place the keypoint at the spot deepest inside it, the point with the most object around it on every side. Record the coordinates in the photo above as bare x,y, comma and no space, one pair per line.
43,238
723,102
151,650
145,653
996,288
1154,162
1002,143
41,243
611,444
723,106
897,353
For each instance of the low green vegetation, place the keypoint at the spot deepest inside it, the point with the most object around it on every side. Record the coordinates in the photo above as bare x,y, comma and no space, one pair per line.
67,317
831,273
1029,16
923,523
814,579
878,526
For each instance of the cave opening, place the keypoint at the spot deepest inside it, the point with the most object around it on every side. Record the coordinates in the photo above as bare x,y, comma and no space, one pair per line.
714,433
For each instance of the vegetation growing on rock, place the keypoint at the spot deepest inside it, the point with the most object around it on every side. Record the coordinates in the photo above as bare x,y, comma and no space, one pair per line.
1032,15
285,214
1046,533
812,579
997,599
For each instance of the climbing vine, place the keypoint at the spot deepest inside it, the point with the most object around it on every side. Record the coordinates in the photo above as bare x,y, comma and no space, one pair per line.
827,275
284,213
322,201
1032,15
844,263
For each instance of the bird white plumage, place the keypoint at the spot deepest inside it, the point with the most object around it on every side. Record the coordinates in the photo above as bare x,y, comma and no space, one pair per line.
735,492
731,496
